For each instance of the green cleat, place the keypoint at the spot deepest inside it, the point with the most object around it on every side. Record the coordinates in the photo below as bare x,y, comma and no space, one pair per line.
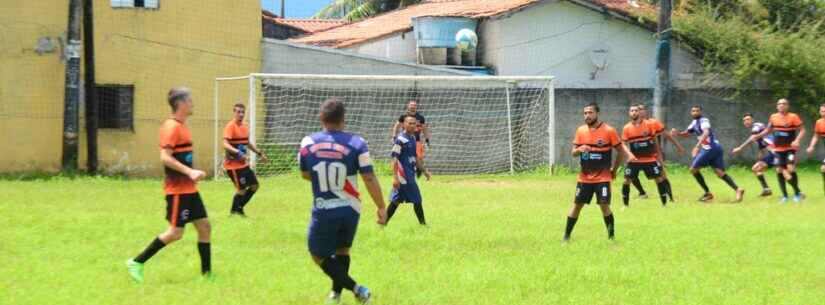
208,277
135,270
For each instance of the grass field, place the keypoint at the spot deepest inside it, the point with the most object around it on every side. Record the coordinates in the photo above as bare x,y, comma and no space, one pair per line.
491,240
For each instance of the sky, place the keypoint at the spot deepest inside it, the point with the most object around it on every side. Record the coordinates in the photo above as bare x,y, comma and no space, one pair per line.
295,8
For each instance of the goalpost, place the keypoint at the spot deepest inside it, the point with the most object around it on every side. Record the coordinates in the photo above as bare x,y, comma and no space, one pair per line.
479,124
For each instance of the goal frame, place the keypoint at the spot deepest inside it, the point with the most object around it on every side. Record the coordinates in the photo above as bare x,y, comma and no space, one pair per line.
251,104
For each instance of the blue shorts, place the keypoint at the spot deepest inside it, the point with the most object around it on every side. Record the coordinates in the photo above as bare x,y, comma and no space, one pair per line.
713,157
769,159
406,193
332,229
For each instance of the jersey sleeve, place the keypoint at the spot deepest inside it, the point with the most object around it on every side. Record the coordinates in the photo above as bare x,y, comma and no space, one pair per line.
396,148
658,127
228,132
577,139
820,127
303,153
704,123
364,160
797,121
625,134
168,136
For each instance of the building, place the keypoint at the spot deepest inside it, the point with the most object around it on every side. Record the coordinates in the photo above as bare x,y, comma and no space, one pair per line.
281,28
142,48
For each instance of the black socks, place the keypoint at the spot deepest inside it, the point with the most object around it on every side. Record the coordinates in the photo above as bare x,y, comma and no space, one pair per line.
701,181
626,194
571,222
205,251
343,260
762,181
782,187
608,222
335,270
419,213
794,182
638,185
730,182
662,188
150,250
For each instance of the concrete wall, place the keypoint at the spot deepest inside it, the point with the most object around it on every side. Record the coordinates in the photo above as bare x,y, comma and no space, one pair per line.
556,37
400,47
181,43
286,57
725,116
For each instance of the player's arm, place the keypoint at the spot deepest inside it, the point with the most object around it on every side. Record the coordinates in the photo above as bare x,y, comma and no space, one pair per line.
814,140
426,131
374,188
230,148
420,164
679,148
257,151
394,131
702,138
169,161
621,150
745,144
799,136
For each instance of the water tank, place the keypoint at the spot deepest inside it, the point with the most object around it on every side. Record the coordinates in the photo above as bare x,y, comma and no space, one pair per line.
439,32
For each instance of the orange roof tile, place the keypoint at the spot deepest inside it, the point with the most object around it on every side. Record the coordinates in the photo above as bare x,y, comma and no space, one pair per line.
306,25
400,21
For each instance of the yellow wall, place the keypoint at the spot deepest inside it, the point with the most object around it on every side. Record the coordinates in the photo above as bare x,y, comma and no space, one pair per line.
184,42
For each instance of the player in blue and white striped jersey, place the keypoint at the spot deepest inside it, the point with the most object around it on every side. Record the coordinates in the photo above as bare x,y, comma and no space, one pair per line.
765,156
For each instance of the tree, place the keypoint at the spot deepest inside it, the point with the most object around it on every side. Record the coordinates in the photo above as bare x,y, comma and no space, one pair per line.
354,10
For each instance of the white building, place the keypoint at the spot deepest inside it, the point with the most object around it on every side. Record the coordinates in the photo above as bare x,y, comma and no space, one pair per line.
596,44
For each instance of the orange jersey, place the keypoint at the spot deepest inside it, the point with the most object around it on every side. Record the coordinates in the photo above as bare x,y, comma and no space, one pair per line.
641,140
784,129
175,135
819,128
596,163
238,137
656,126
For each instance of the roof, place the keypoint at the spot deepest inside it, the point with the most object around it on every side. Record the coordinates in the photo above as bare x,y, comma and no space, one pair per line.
400,21
306,25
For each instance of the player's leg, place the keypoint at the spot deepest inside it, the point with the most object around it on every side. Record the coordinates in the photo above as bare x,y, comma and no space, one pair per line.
396,198
666,181
638,185
172,234
414,196
199,218
322,241
654,171
822,170
779,164
718,164
631,174
239,192
603,198
698,162
250,184
584,193
793,178
759,171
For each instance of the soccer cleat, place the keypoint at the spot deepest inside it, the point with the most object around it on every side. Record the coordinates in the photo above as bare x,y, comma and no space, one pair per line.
238,213
135,270
765,193
706,197
333,298
362,293
740,194
208,277
643,196
798,197
783,200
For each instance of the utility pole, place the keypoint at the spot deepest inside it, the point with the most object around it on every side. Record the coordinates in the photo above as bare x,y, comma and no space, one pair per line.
71,97
661,90
283,4
91,93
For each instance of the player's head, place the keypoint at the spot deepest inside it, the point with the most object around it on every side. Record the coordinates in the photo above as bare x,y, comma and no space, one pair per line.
696,111
238,111
642,110
591,113
822,111
410,123
782,105
747,120
332,114
634,112
180,99
412,106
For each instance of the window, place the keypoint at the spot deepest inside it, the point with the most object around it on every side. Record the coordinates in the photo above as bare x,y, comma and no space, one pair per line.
115,106
135,3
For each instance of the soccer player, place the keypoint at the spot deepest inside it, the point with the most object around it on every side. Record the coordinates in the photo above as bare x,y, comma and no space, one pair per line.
183,203
405,161
237,145
819,132
593,145
787,130
659,130
640,137
707,152
421,128
331,160
765,155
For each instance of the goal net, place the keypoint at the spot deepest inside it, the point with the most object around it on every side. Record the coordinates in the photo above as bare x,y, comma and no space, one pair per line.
478,124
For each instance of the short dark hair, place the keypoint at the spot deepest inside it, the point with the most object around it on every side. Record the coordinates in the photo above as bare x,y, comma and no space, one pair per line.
239,105
594,105
332,111
406,115
640,105
747,114
176,95
696,106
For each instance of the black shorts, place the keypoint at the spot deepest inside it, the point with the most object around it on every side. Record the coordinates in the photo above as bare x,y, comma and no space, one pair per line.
183,208
652,170
783,159
585,192
243,178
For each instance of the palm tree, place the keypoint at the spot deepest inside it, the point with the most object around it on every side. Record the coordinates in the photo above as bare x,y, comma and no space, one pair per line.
354,10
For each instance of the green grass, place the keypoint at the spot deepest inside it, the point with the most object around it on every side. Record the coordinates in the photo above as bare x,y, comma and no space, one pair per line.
491,240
